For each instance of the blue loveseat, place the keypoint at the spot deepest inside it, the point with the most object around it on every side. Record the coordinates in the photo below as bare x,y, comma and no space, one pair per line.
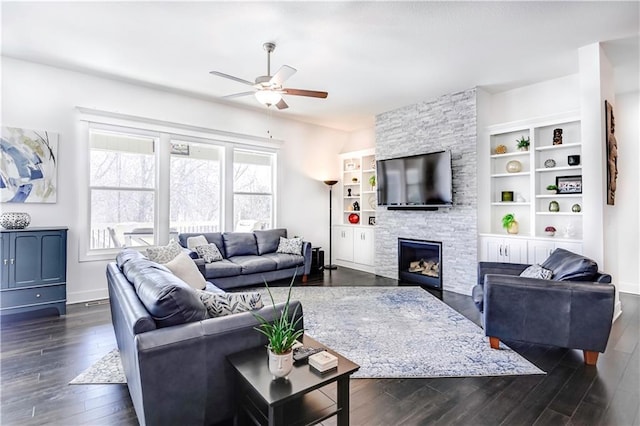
250,258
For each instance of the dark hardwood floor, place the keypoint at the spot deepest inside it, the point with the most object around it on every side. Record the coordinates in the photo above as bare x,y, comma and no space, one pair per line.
40,356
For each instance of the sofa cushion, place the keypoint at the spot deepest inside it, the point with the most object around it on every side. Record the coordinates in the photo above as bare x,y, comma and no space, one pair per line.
167,298
537,271
221,304
198,240
285,261
254,264
290,246
239,244
209,253
126,255
184,268
164,254
568,266
212,237
221,269
269,239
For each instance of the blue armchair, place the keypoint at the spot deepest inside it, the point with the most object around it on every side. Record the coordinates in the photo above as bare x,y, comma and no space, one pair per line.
573,309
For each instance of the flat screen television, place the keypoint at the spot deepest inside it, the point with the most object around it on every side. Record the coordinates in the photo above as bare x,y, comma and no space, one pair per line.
417,181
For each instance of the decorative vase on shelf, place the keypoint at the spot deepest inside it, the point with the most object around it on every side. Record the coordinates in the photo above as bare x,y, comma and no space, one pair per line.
576,208
15,220
554,206
513,228
354,218
280,365
514,166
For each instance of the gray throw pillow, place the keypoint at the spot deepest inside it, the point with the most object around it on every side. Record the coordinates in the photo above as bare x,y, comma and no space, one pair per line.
537,271
164,254
290,246
209,253
221,304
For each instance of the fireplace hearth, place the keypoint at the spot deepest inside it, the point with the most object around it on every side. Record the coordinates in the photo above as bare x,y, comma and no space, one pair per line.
420,262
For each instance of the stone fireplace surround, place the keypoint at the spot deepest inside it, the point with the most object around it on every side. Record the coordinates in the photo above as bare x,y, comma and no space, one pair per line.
448,122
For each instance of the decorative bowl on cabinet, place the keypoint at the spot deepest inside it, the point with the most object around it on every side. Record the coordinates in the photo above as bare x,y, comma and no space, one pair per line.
15,220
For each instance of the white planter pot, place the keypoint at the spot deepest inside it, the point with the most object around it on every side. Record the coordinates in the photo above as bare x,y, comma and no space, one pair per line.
280,365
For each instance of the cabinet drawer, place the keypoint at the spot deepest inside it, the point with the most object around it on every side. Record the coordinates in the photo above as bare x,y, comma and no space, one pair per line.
33,296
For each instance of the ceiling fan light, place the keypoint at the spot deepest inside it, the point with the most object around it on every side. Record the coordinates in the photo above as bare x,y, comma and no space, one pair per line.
268,97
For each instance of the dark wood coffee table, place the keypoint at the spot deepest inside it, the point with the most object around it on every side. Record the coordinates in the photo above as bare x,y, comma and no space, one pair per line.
300,400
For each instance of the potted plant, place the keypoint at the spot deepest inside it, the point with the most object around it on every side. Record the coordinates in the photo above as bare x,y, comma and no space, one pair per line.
281,334
553,189
523,143
550,231
510,223
372,181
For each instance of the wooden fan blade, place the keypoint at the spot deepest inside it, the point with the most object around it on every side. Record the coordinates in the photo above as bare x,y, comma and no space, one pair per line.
283,74
310,93
282,104
230,77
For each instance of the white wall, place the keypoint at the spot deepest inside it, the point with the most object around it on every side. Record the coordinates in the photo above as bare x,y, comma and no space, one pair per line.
360,140
623,219
44,98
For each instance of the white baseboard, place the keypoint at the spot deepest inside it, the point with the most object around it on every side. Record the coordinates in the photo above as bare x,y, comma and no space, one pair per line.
87,296
628,287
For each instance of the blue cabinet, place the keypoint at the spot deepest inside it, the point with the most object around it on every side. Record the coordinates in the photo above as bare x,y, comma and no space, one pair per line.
34,270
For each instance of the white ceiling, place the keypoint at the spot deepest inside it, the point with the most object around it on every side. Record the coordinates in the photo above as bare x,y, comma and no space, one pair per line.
370,56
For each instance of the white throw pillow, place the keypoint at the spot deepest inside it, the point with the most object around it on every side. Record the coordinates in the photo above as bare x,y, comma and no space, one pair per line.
537,271
164,254
193,242
184,268
221,304
290,246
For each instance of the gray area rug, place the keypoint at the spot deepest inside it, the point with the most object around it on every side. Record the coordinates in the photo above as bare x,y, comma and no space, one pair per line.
108,370
391,332
396,332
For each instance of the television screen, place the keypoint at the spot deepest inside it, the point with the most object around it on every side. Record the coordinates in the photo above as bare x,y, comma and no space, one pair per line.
419,180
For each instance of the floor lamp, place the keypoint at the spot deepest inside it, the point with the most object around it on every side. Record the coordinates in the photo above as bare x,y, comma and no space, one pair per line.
330,183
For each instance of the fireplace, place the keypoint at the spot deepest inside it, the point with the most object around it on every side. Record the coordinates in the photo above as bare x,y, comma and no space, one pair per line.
420,262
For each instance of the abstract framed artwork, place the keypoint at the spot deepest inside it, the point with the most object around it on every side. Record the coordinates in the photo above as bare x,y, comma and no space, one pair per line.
612,154
28,166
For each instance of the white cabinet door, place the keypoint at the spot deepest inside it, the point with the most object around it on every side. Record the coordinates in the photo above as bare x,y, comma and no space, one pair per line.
343,243
539,251
363,246
515,251
495,249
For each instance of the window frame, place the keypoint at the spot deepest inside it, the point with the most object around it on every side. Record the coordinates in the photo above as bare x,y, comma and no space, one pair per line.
166,132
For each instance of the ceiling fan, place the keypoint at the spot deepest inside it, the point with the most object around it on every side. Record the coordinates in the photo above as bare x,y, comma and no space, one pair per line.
268,88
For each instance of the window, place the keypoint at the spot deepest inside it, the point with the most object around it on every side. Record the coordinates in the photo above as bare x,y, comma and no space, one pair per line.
149,182
195,194
122,189
253,189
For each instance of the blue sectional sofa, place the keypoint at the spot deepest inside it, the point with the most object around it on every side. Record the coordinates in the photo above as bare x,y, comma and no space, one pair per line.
250,258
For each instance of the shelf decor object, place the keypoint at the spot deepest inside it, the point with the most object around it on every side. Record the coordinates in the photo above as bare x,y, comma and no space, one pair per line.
576,208
510,223
501,149
569,184
557,136
514,166
507,196
554,206
573,160
550,231
330,184
11,220
550,163
523,143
